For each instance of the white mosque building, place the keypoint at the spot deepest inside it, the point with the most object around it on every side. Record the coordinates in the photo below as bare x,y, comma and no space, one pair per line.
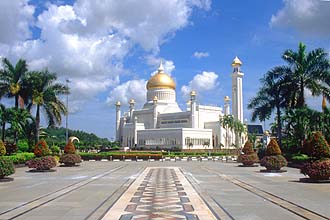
161,124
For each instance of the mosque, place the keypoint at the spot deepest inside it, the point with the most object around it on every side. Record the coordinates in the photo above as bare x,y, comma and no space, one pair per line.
161,124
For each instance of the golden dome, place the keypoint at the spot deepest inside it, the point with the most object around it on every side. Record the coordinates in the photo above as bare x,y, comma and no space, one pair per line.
161,80
236,62
227,99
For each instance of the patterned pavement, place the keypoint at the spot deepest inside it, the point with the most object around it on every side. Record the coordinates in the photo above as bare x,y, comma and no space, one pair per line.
160,193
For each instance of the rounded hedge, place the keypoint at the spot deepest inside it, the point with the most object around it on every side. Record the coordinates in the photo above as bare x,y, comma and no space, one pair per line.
317,170
248,148
2,148
42,163
273,148
317,147
274,162
6,167
248,159
70,159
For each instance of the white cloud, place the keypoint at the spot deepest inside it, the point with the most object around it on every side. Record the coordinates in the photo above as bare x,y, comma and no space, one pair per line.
15,17
135,89
88,42
199,55
204,81
307,16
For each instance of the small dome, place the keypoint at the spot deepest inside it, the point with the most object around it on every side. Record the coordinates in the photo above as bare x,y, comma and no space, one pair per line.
236,62
161,80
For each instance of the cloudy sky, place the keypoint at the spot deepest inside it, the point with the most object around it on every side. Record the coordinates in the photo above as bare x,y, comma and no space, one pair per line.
109,48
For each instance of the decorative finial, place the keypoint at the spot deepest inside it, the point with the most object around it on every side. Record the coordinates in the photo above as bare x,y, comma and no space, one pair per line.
227,99
131,101
236,62
161,67
324,103
155,99
193,93
118,103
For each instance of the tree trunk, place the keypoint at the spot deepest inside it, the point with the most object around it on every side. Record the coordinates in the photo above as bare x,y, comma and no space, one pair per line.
301,98
3,131
16,108
37,123
279,125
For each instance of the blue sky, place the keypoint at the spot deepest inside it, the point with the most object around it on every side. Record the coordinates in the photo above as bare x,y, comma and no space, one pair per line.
109,49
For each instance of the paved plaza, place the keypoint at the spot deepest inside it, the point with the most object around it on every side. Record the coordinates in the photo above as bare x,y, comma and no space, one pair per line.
162,190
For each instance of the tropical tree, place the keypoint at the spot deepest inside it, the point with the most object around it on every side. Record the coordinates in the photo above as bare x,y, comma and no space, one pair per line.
228,122
11,79
44,94
308,71
4,118
271,97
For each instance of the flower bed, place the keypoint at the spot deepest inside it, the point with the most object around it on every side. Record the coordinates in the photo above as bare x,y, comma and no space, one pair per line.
6,167
317,170
70,159
275,162
42,163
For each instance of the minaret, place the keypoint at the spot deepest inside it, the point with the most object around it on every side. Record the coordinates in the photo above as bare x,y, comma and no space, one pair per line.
155,111
227,105
237,93
117,120
131,109
193,109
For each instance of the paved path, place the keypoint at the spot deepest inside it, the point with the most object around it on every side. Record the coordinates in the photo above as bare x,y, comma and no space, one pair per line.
162,190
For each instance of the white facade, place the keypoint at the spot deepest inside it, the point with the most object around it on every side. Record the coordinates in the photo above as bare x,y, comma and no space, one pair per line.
161,124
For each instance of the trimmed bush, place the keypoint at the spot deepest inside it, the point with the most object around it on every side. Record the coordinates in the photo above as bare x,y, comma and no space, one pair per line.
23,146
317,170
2,148
274,162
6,167
70,159
273,159
249,157
41,149
42,163
69,148
11,148
273,148
317,148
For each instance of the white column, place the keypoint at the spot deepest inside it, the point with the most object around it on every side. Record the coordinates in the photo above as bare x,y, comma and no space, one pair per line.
155,111
117,120
237,94
135,131
227,105
193,109
131,109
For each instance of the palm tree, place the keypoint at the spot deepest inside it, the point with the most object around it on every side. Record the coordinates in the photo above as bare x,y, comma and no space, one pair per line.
43,93
309,71
11,79
228,122
271,97
4,118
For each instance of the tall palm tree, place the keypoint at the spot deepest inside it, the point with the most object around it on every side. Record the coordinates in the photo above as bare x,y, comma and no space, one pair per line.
271,97
309,70
4,118
44,94
11,79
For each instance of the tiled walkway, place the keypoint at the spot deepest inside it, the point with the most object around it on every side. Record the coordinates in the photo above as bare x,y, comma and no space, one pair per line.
160,193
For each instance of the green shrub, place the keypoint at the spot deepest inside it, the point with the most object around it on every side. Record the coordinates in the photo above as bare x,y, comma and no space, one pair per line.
6,167
2,148
70,159
21,158
55,150
23,146
273,148
274,162
41,149
300,158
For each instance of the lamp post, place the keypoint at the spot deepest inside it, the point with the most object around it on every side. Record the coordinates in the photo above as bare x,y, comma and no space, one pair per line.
67,113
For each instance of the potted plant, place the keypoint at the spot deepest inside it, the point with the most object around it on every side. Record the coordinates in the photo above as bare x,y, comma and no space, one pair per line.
318,150
6,165
248,157
70,157
273,161
43,161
